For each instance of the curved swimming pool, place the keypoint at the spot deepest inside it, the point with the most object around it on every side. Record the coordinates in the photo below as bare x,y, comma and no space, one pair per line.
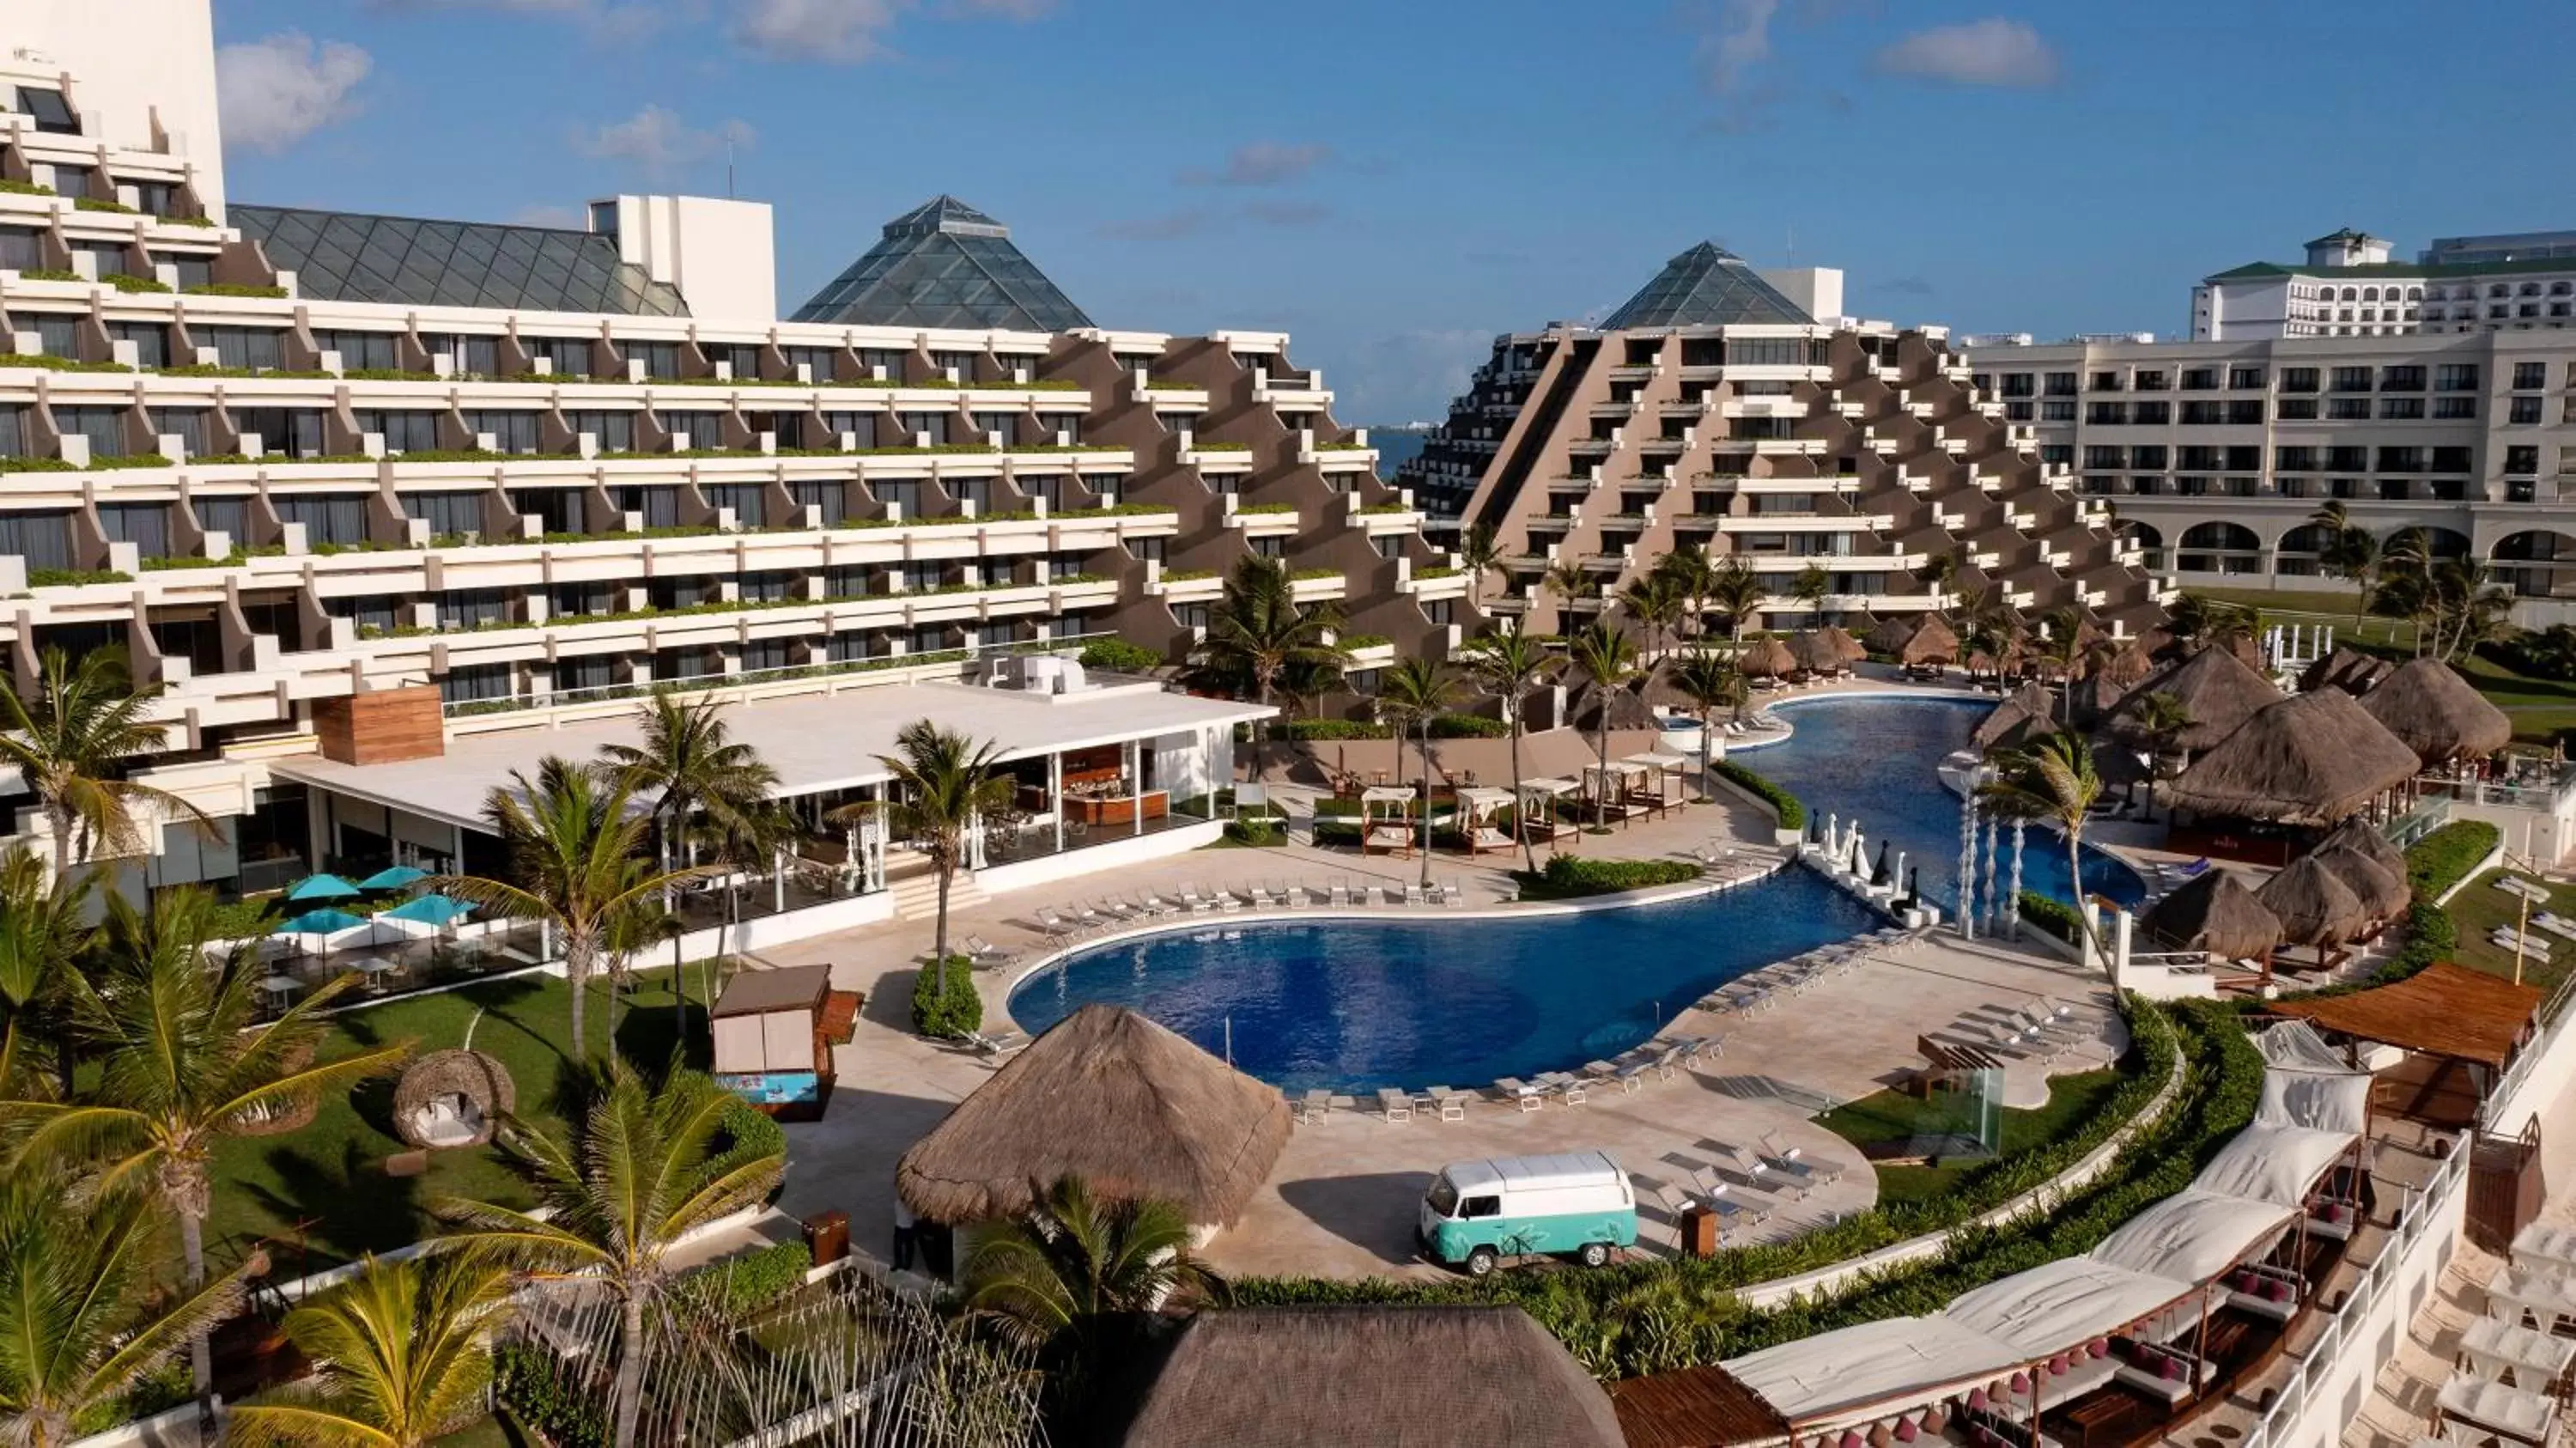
1417,1000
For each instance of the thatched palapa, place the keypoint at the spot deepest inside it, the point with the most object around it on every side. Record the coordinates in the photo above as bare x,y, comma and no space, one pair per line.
2348,669
1890,635
1390,1377
1766,659
2362,837
1846,648
2313,904
2027,715
2217,914
2382,891
452,1098
2130,666
1933,643
2091,699
2440,715
2215,689
1109,1096
2310,759
1814,652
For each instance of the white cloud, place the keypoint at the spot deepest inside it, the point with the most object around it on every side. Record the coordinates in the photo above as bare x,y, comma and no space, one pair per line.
1406,375
608,20
1741,42
842,31
659,142
1990,52
275,92
1262,163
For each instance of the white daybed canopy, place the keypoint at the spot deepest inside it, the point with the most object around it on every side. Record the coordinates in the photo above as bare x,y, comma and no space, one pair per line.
1548,785
2194,1235
1478,800
1387,794
2337,1101
1856,1372
1658,759
2296,1046
2055,1306
2274,1163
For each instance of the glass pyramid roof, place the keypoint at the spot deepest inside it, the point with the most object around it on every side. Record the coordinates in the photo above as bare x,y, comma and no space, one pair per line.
945,264
1704,287
342,256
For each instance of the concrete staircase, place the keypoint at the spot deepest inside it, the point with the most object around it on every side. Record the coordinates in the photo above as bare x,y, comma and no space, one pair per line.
916,894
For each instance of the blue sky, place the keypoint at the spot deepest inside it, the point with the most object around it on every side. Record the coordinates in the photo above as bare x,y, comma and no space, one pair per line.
1396,182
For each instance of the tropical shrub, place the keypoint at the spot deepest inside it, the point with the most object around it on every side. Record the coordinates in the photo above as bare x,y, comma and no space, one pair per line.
738,1286
944,999
1584,875
1118,656
524,1381
2445,857
1329,729
2054,916
1792,811
749,1135
1257,831
1467,726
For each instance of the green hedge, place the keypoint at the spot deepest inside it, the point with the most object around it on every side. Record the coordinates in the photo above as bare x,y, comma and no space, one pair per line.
1329,729
749,1134
525,1381
737,1286
1119,656
1467,726
1257,831
1793,812
2054,916
2445,857
1584,875
945,1002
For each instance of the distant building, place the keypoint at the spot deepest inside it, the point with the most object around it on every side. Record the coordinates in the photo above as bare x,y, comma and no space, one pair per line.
2348,287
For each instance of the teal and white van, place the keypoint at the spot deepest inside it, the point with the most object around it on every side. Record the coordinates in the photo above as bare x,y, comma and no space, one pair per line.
1573,1204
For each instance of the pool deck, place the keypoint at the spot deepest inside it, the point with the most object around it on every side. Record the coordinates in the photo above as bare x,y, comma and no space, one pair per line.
1341,1201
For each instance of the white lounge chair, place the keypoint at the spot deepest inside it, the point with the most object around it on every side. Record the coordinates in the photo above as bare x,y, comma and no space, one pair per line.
1570,1088
1394,1103
1338,893
1314,1104
1260,896
1001,1043
1451,1105
987,956
1521,1093
1056,926
1787,1161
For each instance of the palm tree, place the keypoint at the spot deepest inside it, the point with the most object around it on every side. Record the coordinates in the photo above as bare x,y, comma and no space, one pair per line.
1510,663
1735,590
2347,551
2052,781
1569,580
84,1313
2065,651
1410,696
2162,717
1690,574
1655,602
1479,554
2465,609
1075,1265
745,843
944,783
183,1067
403,1353
1258,630
689,765
42,940
1711,682
68,743
576,866
1606,658
637,1170
1811,587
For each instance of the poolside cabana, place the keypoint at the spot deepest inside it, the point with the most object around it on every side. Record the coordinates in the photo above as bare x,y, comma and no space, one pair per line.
1815,653
1934,645
1891,634
1766,658
1107,1095
1387,821
2311,759
2315,907
1614,791
1847,650
2382,891
1480,812
1540,819
2215,688
452,1098
2348,669
1663,770
2438,714
2025,717
2217,915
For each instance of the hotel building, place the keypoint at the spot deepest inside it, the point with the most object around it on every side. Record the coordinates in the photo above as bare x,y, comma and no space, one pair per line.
2348,287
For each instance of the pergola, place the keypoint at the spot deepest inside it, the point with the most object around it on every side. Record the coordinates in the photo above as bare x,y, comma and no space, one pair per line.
1539,806
1477,809
1386,818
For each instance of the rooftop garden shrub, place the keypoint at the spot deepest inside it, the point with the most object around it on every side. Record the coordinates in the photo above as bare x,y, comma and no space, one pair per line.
1118,656
128,282
92,203
235,289
1313,729
58,364
74,577
1792,811
24,188
48,274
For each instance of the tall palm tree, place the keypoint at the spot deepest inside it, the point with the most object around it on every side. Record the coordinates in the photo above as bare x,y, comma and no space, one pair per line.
1811,587
86,718
183,1066
637,1170
1510,663
1569,580
1710,680
2052,781
688,764
1606,658
1690,574
42,939
576,867
2065,650
1736,591
84,1314
2347,551
1656,602
944,783
403,1354
1258,631
1410,696
2465,607
1479,555
1061,1276
2162,717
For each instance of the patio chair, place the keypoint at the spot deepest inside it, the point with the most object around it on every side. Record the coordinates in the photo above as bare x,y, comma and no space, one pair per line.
1260,896
1450,1105
1087,917
1001,1043
1114,909
984,955
1057,928
1569,1087
1225,900
1748,1172
1413,895
1394,1103
1155,905
1338,893
1521,1093
1296,894
1788,1160
1314,1104
1193,901
1456,894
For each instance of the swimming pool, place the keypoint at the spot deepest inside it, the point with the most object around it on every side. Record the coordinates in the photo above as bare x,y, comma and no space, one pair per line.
1352,1005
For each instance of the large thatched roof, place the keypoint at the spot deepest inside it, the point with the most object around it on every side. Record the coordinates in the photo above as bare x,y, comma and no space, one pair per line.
2091,699
2215,913
2029,713
2130,665
1627,708
1767,658
2309,759
2216,689
2382,891
1390,1377
2347,669
1890,635
2440,715
1814,651
2363,837
1933,643
2313,904
1107,1095
1850,650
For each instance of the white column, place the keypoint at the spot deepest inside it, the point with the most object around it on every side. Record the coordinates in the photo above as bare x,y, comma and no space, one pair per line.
1055,792
1136,786
2012,902
778,882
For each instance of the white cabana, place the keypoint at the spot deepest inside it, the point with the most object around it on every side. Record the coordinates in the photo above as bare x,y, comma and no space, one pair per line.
2194,1235
1539,798
1386,818
1477,809
2274,1163
1862,1372
2063,1303
2296,1046
2337,1101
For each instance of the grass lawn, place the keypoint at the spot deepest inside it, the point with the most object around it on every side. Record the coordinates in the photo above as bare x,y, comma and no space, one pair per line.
1894,1117
2482,907
497,1431
325,1185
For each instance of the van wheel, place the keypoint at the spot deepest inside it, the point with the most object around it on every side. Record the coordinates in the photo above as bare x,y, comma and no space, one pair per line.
1593,1254
1480,1262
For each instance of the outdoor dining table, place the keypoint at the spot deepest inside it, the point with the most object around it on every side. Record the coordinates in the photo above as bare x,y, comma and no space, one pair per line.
2541,1247
280,990
2489,1407
375,968
2548,1300
2494,1348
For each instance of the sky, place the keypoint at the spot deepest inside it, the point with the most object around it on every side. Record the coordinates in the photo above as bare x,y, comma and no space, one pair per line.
1394,183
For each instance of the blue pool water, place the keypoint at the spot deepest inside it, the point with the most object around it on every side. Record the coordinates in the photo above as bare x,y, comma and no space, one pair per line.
1355,1005
1352,1005
1872,759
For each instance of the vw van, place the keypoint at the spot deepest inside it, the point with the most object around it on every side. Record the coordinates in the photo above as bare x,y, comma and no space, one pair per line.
1571,1204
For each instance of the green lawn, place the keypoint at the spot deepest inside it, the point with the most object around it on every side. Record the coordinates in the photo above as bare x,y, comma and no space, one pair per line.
325,1186
498,1431
1893,1116
2482,907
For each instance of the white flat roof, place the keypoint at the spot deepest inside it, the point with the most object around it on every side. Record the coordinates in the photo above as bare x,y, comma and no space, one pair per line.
817,743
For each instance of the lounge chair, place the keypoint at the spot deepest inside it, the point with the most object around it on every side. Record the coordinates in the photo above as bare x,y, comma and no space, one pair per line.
1786,1160
1413,896
1260,897
1156,905
987,956
1522,1093
1568,1086
1088,917
1115,910
2555,924
1453,894
1449,1105
1056,926
1396,1105
1000,1043
1225,899
1314,1104
1193,901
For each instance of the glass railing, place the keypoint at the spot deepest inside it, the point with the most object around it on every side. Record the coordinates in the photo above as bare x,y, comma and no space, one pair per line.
712,683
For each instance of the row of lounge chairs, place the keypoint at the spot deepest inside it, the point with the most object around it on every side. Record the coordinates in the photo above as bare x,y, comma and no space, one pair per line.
1657,1059
1762,989
1743,1187
2042,1032
1111,912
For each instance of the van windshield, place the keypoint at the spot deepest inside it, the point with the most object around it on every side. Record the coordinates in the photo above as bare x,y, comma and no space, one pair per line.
1443,1197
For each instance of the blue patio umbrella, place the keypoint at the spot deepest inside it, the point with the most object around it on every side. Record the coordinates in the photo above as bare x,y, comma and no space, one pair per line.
322,887
318,922
392,877
427,910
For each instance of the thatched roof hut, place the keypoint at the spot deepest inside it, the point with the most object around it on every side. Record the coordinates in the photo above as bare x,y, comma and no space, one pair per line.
1850,650
1766,658
1814,652
2347,669
452,1098
1107,1095
2440,715
1285,1377
1890,635
2118,766
2130,665
2215,913
2216,690
2382,891
1935,642
2310,759
2028,714
2091,699
1627,708
2364,838
2313,904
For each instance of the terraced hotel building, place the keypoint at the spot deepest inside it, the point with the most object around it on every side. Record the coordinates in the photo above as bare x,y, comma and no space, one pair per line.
358,488
1714,409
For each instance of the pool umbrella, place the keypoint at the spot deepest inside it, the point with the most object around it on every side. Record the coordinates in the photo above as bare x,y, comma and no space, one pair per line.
392,877
318,922
322,887
427,910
